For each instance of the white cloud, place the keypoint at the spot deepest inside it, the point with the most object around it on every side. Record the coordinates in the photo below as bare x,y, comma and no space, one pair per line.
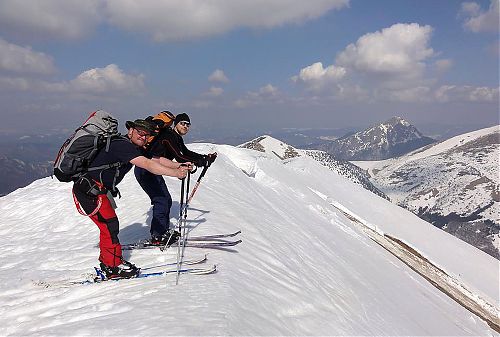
407,95
397,51
180,19
161,20
218,76
389,64
470,8
17,59
266,93
316,77
443,65
108,79
199,104
32,85
214,92
241,103
35,19
15,83
484,94
479,21
465,93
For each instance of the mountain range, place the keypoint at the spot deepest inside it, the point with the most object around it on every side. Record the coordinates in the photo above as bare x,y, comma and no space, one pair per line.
392,138
453,184
17,173
24,159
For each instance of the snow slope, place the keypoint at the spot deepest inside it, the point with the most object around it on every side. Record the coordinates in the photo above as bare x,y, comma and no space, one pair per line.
304,267
276,148
454,183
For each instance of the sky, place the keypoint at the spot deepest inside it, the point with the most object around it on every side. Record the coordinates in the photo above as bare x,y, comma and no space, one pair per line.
249,64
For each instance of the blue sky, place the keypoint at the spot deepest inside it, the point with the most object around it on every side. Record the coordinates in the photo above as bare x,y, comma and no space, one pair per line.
254,64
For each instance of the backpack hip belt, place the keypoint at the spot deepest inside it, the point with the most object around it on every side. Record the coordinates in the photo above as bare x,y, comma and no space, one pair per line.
96,189
90,186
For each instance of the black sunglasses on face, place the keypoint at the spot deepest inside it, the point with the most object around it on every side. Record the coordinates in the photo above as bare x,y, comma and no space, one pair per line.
142,133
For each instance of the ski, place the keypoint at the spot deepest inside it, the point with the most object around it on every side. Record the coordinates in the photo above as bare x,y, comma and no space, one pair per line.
193,271
213,236
211,244
89,277
188,243
98,277
188,262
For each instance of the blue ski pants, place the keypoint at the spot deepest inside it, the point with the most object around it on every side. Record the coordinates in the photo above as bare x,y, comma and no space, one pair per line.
155,187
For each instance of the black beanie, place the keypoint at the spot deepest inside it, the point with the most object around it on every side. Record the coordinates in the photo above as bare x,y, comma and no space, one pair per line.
183,117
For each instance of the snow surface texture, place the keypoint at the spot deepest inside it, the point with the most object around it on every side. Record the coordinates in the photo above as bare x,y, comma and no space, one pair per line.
303,268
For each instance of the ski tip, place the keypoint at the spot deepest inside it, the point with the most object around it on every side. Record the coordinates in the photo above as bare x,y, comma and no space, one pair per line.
202,271
213,269
43,284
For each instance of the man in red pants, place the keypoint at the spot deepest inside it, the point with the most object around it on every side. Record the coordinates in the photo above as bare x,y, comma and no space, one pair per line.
93,193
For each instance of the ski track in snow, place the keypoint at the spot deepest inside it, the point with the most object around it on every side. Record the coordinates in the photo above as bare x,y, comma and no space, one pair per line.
303,267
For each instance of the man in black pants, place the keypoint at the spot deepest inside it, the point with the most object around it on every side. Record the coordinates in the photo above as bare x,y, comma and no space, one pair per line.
168,144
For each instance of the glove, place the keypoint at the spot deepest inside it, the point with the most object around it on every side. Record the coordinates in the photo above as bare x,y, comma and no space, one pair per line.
206,160
211,158
201,162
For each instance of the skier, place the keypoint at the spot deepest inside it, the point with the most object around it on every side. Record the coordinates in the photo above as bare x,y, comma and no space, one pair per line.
92,191
168,144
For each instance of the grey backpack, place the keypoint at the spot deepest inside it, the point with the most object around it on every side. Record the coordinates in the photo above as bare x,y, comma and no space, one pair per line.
76,154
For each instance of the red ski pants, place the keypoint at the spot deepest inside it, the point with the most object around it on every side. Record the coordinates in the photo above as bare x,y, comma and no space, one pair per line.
105,218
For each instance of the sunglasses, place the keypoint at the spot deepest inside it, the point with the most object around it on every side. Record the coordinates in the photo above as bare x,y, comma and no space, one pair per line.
187,124
142,133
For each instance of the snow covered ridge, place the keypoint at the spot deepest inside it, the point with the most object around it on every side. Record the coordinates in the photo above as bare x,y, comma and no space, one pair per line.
453,184
392,138
278,149
314,261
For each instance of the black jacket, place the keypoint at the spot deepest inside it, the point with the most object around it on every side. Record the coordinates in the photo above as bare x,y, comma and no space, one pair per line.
169,144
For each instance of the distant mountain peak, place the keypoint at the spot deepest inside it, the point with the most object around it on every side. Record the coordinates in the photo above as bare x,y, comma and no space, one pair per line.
392,125
392,138
273,146
396,120
283,151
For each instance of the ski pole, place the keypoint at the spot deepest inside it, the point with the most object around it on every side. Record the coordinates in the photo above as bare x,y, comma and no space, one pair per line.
205,168
182,225
182,199
187,192
179,223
